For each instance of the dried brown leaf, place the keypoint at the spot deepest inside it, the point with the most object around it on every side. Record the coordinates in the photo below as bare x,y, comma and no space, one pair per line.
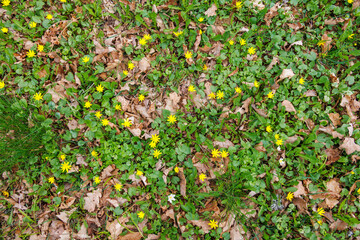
261,112
289,107
211,11
273,11
204,225
144,64
245,107
300,190
287,73
338,225
335,119
333,154
182,182
131,236
92,201
349,145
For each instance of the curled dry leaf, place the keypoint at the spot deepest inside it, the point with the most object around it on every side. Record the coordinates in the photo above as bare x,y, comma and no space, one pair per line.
310,93
287,73
300,204
300,190
131,236
115,228
338,225
225,144
211,11
236,232
289,107
72,124
261,112
245,107
349,145
335,119
144,64
272,13
92,200
333,154
204,225
182,182
274,61
259,4
331,131
327,45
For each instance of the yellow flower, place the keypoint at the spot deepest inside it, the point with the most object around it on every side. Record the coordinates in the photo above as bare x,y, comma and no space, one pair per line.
191,88
65,166
202,177
94,153
152,144
321,43
155,138
268,129
118,186
238,5
205,67
32,24
125,72
352,172
215,153
97,180
118,107
238,90
231,42
30,53
88,104
139,173
131,65
188,54
320,222
127,122
242,42
4,30
176,169
62,157
224,154
100,88
64,1
321,211
40,48
5,193
201,19
49,16
141,98
178,33
5,3
38,96
256,84
51,180
98,114
351,36
141,215
171,119
200,32
290,196
142,41
157,153
301,81
212,95
213,224
270,95
85,59
220,95
147,37
358,191
279,142
277,136
105,122
350,1
251,51
2,85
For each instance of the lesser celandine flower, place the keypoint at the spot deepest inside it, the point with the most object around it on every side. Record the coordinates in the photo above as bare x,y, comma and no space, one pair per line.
213,224
176,169
100,88
85,59
200,32
191,88
98,114
268,129
277,136
118,107
270,95
238,90
65,166
147,37
171,119
220,95
125,72
94,153
238,5
231,42
105,122
97,180
320,222
142,41
131,65
141,215
202,177
321,211
358,191
215,153
5,193
157,153
212,95
178,33
279,142
251,51
139,173
351,36
40,48
62,157
88,104
30,53
242,42
32,24
188,55
141,98
49,16
152,144
118,186
51,180
290,196
256,84
155,138
5,3
38,96
201,19
205,67
4,30
64,1
2,85
127,122
321,43
301,81
224,154
350,1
